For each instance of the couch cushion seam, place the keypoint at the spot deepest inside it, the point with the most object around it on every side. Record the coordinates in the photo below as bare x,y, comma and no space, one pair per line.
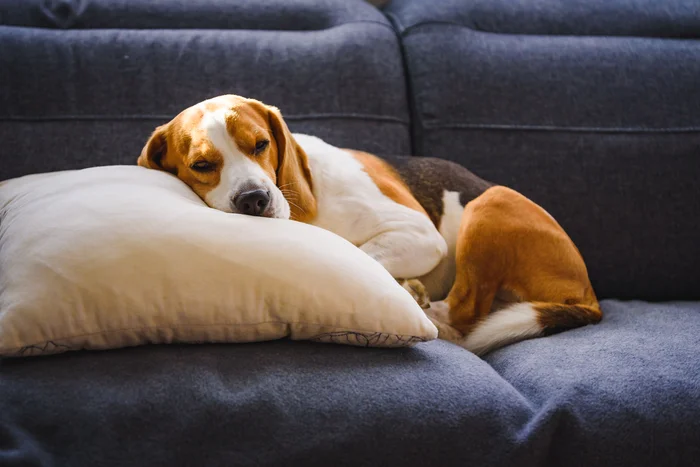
414,28
396,22
556,128
414,116
409,29
385,25
319,116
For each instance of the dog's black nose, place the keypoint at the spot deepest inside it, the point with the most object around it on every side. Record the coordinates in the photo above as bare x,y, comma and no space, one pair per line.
252,202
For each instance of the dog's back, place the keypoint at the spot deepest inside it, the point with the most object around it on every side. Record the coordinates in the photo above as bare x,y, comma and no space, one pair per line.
429,178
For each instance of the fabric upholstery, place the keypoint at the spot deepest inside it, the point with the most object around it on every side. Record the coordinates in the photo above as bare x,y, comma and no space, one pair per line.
640,18
270,404
618,393
602,131
625,392
590,107
282,15
89,89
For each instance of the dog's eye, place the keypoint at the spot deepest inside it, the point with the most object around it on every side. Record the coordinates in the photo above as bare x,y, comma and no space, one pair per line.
261,145
202,166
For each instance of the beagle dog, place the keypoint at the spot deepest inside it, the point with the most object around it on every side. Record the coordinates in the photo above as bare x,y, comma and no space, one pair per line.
489,266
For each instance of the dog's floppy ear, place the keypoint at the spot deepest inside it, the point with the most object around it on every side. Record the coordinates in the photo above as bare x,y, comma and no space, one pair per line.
155,149
293,173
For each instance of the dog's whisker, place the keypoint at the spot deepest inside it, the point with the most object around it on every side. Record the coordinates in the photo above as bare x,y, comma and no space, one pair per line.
297,206
290,193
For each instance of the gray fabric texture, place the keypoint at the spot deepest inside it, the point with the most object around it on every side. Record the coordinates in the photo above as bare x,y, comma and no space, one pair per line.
88,95
296,15
277,403
576,104
640,18
625,392
603,132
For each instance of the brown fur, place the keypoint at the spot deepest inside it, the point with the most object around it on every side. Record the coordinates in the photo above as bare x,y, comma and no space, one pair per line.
175,146
557,317
387,180
248,124
294,173
509,244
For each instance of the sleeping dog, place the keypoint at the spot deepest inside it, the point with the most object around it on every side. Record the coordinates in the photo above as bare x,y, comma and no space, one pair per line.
489,266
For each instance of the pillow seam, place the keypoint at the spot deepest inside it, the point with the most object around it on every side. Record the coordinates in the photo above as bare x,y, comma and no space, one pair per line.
112,331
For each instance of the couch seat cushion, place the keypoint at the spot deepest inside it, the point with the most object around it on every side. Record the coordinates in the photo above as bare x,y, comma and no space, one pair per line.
269,404
625,392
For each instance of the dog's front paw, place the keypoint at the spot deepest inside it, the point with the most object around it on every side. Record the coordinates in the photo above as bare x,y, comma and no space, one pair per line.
417,291
439,314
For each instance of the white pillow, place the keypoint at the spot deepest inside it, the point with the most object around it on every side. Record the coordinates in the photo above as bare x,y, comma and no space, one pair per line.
120,256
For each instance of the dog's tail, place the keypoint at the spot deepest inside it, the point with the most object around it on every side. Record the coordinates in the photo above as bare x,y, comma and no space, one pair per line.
525,320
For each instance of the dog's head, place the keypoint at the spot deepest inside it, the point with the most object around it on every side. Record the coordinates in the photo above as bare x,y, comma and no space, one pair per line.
238,155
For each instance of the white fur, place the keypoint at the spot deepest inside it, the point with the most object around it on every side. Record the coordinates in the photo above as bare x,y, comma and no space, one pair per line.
349,204
239,171
511,324
438,282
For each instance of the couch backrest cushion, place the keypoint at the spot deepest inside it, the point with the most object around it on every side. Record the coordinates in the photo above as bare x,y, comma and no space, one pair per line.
84,82
602,131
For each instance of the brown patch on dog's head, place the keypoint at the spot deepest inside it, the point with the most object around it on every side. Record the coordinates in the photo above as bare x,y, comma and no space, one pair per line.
216,145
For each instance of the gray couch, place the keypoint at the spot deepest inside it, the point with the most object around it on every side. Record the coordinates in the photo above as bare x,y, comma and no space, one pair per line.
589,107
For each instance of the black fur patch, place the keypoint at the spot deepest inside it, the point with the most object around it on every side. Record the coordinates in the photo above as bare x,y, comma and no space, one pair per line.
429,177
